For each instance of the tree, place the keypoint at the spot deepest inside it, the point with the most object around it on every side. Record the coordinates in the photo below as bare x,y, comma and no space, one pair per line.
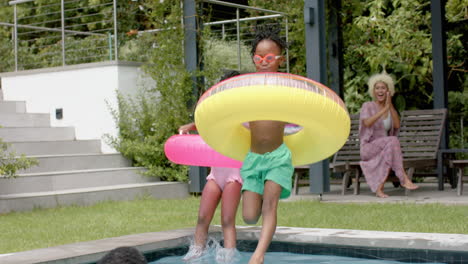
396,36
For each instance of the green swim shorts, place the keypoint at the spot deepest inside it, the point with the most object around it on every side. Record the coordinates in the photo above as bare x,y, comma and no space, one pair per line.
275,166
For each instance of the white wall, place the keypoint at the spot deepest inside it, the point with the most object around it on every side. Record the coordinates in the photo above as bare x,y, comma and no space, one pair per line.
84,92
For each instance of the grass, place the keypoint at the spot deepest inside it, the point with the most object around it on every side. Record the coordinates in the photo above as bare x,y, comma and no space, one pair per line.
42,228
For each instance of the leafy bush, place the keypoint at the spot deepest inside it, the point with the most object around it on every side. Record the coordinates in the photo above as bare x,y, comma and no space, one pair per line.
146,121
458,121
222,54
142,133
10,163
78,50
396,36
136,49
7,57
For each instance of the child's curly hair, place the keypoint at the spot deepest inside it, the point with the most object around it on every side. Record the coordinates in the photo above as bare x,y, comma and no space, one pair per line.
268,31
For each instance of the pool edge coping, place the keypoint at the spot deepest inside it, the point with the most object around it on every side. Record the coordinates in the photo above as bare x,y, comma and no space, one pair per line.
91,251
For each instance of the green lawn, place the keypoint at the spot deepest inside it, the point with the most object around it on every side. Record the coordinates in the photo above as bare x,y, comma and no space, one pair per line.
50,227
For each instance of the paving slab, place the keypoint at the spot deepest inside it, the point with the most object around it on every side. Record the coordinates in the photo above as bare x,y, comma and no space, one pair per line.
427,193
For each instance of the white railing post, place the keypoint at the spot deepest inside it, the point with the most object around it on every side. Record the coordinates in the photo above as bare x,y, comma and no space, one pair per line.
287,43
15,36
239,61
116,48
223,33
62,13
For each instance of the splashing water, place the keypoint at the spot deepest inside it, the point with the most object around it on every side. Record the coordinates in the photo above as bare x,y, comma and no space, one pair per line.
214,253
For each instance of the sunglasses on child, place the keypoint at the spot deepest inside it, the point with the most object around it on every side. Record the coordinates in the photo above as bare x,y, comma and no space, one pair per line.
268,58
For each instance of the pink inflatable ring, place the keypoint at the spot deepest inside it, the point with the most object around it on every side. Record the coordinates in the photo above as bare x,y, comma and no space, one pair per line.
192,150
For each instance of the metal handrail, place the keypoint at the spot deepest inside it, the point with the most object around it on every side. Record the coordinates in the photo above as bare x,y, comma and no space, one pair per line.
52,29
242,20
242,6
66,25
63,29
15,2
238,20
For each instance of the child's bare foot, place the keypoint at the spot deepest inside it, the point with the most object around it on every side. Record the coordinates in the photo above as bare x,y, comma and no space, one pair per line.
194,252
227,255
410,186
256,259
381,194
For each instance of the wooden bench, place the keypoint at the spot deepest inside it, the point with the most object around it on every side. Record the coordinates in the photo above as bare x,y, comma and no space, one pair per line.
298,170
459,165
346,160
420,136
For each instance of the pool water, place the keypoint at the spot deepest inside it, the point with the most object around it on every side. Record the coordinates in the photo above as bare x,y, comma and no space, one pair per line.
216,254
279,258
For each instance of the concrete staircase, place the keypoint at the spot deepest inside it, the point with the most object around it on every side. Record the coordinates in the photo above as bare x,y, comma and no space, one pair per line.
70,171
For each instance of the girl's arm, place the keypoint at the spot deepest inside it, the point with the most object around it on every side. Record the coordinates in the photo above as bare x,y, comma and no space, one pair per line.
187,127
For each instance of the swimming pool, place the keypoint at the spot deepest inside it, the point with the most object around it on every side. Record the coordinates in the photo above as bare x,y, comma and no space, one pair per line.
430,247
295,253
292,245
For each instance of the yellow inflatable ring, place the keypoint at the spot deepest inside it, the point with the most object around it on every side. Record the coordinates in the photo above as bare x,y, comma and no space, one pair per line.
222,110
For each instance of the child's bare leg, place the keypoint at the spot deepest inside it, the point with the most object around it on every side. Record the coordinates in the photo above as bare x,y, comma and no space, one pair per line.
271,196
229,202
209,201
251,207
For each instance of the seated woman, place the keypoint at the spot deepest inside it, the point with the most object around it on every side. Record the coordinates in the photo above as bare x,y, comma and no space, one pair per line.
378,126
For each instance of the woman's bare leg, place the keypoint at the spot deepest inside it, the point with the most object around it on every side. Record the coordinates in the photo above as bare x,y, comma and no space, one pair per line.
408,184
380,193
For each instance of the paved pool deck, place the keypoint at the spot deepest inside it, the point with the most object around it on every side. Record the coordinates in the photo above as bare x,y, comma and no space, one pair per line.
427,193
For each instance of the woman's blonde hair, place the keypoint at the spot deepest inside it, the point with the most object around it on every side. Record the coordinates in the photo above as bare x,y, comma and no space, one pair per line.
381,77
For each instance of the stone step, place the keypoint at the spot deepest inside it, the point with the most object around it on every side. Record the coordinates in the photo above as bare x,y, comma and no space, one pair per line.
48,163
24,120
63,180
89,196
25,134
57,147
12,107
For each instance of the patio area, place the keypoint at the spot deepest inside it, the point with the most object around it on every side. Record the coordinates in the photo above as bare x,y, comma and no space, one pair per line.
427,193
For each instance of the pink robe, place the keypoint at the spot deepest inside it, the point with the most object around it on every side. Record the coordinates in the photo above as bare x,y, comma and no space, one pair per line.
379,152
